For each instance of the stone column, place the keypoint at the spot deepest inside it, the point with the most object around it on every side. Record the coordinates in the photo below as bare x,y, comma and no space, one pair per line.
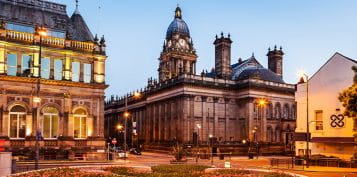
204,125
19,61
81,73
67,64
2,61
250,118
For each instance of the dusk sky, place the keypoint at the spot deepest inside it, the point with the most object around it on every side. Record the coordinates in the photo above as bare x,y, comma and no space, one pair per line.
310,32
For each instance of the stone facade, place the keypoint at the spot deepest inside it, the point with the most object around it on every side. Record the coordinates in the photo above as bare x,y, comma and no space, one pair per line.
220,106
42,91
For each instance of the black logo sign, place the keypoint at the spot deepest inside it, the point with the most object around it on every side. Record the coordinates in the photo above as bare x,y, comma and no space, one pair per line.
337,121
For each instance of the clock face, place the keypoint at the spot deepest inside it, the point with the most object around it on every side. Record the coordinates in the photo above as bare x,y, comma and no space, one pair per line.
182,42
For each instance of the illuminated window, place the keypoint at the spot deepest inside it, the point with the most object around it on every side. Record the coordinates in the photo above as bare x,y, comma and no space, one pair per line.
319,120
25,65
45,68
50,122
17,122
87,75
11,64
75,71
80,123
58,69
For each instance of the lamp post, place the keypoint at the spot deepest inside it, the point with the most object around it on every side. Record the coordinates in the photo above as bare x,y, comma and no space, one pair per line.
254,131
42,32
304,76
211,146
261,102
136,95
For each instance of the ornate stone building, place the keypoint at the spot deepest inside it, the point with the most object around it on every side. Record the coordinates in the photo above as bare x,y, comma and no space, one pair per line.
222,104
52,81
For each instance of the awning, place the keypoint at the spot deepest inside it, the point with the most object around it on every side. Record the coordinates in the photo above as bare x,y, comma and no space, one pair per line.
338,140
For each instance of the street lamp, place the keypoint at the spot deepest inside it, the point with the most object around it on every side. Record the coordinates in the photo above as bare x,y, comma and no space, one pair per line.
254,131
136,95
303,76
211,146
42,32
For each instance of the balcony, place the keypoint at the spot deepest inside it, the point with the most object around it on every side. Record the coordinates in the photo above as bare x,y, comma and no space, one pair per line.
49,41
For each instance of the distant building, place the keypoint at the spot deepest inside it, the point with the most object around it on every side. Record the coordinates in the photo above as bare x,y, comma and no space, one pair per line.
331,132
222,105
59,96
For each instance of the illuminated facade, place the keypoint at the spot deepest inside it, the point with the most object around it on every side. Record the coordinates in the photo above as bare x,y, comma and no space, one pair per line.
332,133
222,104
51,84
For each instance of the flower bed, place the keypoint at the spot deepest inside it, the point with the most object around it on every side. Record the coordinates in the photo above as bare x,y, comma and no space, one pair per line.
156,171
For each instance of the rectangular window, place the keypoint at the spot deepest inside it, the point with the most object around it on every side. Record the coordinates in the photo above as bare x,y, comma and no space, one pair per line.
50,126
80,127
319,120
17,125
87,73
58,69
25,65
11,64
75,71
45,68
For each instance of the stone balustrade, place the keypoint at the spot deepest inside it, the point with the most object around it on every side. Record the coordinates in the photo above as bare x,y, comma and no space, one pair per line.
90,47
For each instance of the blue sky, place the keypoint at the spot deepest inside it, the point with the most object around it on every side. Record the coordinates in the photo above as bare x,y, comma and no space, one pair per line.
310,32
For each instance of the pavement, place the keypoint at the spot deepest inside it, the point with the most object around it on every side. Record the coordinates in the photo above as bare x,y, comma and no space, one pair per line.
152,159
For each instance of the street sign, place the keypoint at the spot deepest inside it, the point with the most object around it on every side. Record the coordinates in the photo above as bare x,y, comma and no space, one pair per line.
114,141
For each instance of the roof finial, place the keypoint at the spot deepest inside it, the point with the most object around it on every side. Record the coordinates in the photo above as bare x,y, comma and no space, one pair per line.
77,4
178,12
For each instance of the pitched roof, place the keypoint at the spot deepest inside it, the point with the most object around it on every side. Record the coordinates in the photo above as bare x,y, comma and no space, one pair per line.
51,15
79,30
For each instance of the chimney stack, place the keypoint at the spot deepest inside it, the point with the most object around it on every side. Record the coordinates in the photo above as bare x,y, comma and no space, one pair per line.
275,61
223,56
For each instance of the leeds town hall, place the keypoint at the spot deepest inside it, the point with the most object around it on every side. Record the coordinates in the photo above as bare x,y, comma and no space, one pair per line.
231,104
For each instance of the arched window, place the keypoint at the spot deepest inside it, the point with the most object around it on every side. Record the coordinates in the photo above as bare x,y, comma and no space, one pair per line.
50,122
17,122
80,123
277,111
270,112
286,111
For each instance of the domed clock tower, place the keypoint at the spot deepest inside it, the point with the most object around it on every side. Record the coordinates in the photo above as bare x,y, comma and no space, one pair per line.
178,55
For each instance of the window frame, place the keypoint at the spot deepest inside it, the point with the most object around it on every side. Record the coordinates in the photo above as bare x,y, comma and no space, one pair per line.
319,124
80,116
7,63
22,64
18,124
55,72
51,115
48,69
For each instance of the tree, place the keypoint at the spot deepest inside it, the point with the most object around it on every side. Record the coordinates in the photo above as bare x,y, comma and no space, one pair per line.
348,98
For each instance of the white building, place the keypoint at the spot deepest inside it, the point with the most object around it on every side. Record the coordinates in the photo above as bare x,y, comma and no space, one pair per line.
331,132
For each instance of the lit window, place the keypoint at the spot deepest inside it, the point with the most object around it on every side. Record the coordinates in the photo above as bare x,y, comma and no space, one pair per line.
25,65
58,69
80,123
11,64
87,73
319,120
17,123
75,71
45,68
50,122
